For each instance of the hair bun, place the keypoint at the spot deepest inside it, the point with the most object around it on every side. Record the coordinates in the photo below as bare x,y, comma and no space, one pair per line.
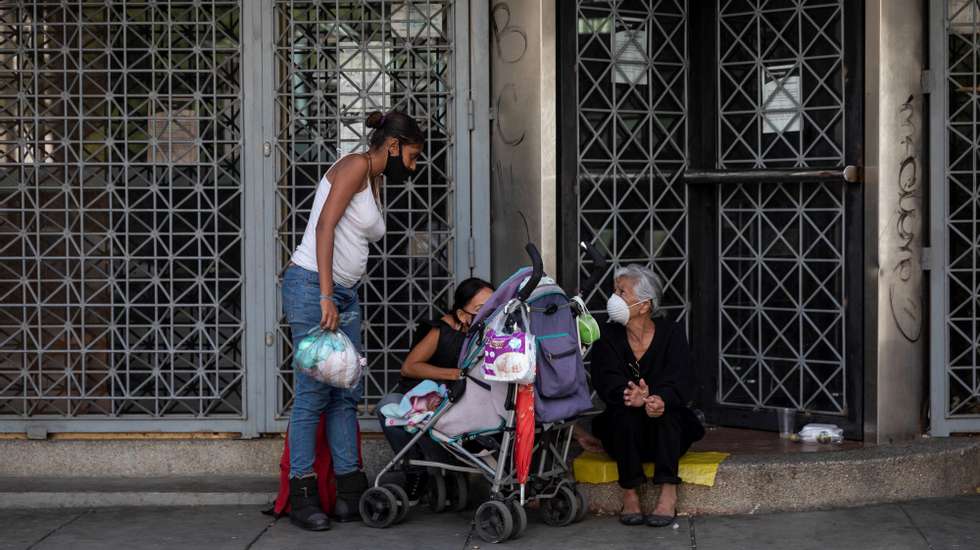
374,120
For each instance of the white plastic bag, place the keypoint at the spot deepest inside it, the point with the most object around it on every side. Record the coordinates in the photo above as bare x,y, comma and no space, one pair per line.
509,349
330,357
821,433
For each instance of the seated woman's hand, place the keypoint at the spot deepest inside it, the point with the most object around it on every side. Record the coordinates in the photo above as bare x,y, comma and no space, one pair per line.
634,396
654,406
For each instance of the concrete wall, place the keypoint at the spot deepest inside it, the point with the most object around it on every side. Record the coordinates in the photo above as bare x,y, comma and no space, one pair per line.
895,130
523,134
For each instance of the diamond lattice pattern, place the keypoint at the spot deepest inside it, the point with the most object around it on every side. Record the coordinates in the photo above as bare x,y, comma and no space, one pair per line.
335,63
632,139
781,274
120,210
962,365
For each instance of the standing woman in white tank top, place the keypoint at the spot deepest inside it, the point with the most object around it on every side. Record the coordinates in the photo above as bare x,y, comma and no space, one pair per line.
319,288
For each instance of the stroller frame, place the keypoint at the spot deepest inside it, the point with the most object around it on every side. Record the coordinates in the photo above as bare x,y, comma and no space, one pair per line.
551,445
503,516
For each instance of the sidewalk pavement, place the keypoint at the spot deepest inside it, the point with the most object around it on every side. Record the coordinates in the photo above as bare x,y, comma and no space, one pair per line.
952,523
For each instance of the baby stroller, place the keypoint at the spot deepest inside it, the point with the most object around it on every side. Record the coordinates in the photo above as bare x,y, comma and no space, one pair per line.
479,425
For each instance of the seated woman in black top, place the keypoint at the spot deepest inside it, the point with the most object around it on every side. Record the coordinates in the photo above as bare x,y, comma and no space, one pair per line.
434,356
641,370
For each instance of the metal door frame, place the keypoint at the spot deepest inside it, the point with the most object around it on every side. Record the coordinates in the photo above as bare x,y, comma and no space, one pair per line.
253,369
471,158
941,424
702,150
703,203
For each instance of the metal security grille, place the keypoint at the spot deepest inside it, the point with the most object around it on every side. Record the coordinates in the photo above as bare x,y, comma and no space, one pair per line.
335,63
121,210
781,245
631,141
955,211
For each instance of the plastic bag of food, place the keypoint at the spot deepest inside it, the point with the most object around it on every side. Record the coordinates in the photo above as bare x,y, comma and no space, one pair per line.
509,350
330,357
821,433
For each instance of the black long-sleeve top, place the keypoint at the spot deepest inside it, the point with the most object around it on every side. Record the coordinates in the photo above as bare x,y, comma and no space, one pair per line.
666,365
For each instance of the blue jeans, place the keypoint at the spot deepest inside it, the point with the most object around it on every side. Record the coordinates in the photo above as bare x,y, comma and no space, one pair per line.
311,398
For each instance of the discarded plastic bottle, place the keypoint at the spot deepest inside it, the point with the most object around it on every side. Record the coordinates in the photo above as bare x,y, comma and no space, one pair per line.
820,433
827,437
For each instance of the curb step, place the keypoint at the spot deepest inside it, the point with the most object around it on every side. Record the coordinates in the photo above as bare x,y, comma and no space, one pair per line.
745,484
102,492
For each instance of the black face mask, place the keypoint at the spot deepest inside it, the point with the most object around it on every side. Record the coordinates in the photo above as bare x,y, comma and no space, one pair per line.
395,170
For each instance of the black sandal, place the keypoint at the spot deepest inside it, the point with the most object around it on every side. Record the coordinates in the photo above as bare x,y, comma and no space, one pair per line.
632,519
655,520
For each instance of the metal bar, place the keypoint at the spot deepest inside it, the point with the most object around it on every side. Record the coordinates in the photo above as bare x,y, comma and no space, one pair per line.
854,241
455,447
257,368
938,425
268,245
849,174
702,147
461,176
568,214
479,138
92,424
444,466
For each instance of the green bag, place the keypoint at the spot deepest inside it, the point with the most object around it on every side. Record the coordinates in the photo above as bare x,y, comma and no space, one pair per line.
588,328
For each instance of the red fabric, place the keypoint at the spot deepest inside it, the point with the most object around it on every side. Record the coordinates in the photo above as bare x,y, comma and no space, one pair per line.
524,443
322,467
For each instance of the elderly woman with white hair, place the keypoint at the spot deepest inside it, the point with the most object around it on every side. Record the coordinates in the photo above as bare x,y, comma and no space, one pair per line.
641,369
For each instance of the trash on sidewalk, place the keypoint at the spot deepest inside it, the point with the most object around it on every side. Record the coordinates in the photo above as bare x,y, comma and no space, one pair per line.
820,433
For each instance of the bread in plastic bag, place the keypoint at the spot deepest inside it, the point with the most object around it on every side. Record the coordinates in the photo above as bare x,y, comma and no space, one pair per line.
329,357
509,350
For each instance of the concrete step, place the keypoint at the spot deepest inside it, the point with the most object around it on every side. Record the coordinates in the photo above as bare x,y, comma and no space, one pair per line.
173,473
52,492
108,458
753,483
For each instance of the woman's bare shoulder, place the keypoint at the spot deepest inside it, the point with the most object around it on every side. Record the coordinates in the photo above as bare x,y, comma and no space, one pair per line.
352,168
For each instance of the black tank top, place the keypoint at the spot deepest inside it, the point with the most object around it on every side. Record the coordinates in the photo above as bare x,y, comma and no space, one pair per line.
447,351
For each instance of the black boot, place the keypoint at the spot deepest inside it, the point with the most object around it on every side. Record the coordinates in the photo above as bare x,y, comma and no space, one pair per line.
304,501
416,483
350,487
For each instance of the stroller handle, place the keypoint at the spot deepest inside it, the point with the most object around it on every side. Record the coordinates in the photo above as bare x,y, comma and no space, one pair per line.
537,271
598,267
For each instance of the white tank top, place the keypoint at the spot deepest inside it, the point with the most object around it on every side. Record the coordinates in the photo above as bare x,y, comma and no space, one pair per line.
361,224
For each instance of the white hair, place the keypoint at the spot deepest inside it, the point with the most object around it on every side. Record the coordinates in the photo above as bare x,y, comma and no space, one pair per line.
646,285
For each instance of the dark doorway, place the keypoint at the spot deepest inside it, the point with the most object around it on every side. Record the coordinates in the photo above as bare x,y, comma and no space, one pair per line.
711,139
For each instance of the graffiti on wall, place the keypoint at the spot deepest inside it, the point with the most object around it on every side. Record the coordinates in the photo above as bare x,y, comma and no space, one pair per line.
905,287
510,43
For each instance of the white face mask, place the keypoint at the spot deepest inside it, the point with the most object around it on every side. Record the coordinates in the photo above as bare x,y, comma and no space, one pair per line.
618,310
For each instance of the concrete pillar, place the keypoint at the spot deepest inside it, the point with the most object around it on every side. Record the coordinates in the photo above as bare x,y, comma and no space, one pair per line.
523,134
895,130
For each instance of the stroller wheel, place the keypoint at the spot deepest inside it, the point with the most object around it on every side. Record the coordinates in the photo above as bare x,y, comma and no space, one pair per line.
561,509
459,491
402,497
520,518
437,493
494,522
378,507
583,505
